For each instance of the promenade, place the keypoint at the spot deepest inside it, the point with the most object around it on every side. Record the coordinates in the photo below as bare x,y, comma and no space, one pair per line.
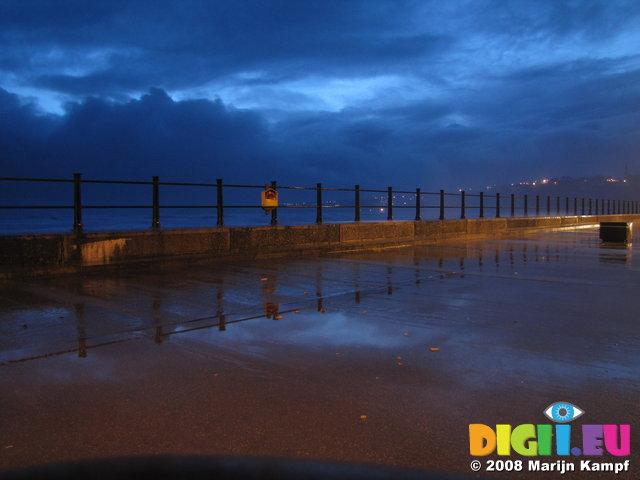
378,358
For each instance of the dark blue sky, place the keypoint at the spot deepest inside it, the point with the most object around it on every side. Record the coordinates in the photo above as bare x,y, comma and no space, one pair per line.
417,93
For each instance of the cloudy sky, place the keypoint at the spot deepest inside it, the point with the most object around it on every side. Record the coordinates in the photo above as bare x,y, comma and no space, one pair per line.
435,94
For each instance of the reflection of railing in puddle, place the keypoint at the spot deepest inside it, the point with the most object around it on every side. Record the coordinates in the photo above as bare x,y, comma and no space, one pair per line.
272,311
464,258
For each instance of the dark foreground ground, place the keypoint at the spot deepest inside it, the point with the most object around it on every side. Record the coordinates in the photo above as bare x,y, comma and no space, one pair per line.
326,358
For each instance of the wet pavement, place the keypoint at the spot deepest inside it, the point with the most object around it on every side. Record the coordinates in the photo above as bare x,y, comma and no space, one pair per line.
371,358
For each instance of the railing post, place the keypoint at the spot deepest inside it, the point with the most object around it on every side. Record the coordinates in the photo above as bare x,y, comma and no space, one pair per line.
441,204
357,216
548,206
155,220
219,203
318,203
566,205
77,203
575,206
619,210
537,205
590,208
526,205
418,210
462,205
274,212
582,206
513,205
608,206
481,204
597,206
389,203
497,205
558,206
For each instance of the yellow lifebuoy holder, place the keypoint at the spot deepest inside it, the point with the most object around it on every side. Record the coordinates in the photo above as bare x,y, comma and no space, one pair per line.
269,199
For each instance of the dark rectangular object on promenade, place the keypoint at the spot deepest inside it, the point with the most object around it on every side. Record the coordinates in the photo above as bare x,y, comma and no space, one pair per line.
615,232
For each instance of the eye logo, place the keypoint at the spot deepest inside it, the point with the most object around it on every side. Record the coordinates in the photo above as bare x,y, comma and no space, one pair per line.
563,412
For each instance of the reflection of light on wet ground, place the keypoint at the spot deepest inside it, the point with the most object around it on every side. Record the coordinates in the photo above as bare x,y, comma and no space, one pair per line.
456,324
527,303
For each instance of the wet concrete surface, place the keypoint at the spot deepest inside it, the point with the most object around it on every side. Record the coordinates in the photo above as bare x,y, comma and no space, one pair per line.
371,358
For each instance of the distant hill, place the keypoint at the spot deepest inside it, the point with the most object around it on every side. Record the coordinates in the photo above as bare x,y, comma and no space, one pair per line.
601,187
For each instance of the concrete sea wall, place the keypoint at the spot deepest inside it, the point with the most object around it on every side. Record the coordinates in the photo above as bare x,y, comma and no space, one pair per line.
28,255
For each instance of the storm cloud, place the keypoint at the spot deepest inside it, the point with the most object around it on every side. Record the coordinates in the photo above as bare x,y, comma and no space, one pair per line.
434,94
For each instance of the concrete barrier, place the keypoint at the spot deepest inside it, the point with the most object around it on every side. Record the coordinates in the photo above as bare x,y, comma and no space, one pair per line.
28,255
376,234
256,241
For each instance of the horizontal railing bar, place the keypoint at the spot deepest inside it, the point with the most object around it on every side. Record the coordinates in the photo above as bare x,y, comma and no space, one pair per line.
118,182
182,184
116,206
188,206
337,189
285,187
243,186
215,206
15,179
34,206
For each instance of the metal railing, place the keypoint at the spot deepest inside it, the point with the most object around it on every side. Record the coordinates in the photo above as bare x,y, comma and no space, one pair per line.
466,205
